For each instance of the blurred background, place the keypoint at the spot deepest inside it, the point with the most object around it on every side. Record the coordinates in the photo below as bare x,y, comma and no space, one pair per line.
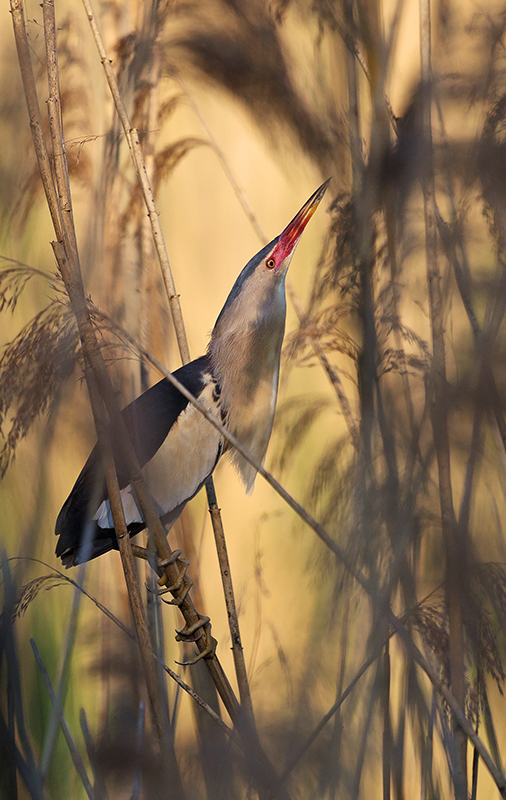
390,423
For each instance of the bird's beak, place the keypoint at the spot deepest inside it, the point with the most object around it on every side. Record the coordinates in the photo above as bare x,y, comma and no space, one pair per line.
292,233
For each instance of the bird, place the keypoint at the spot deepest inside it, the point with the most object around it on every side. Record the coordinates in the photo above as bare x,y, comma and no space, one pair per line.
177,448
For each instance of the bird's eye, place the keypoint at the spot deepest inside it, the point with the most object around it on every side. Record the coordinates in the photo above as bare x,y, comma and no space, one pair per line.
270,263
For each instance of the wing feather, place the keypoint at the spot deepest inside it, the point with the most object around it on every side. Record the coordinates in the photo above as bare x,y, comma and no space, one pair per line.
148,419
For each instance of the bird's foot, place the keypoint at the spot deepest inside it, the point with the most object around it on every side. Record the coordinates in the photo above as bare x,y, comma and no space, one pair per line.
187,634
183,581
201,629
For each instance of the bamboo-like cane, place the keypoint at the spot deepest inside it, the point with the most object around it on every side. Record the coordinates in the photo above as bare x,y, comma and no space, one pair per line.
96,374
454,550
62,248
98,380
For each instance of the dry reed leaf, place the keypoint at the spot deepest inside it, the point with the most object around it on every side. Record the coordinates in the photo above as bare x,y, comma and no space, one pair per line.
239,47
32,368
30,590
76,102
168,158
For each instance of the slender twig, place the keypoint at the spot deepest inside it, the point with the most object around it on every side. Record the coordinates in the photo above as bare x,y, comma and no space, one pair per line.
98,784
74,752
228,588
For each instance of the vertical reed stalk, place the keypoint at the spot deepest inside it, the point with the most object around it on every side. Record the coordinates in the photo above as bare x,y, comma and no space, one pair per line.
228,588
356,157
132,138
68,262
454,555
145,234
387,723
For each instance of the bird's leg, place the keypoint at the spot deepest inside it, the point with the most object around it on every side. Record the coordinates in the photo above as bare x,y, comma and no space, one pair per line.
140,552
147,555
203,623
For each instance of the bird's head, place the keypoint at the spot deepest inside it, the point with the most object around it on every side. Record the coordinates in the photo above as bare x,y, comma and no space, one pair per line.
258,285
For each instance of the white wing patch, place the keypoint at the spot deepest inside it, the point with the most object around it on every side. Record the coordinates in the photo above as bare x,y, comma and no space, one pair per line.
179,467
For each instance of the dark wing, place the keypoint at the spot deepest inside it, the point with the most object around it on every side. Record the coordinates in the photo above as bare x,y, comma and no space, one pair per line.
148,419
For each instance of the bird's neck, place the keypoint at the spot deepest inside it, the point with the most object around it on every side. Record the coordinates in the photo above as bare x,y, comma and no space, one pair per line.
244,352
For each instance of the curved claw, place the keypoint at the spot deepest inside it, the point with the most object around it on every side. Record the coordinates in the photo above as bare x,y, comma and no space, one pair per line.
157,592
180,578
202,626
178,600
183,580
166,562
185,634
209,650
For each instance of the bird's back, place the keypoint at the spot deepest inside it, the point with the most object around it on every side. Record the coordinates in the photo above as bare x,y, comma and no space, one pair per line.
160,411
